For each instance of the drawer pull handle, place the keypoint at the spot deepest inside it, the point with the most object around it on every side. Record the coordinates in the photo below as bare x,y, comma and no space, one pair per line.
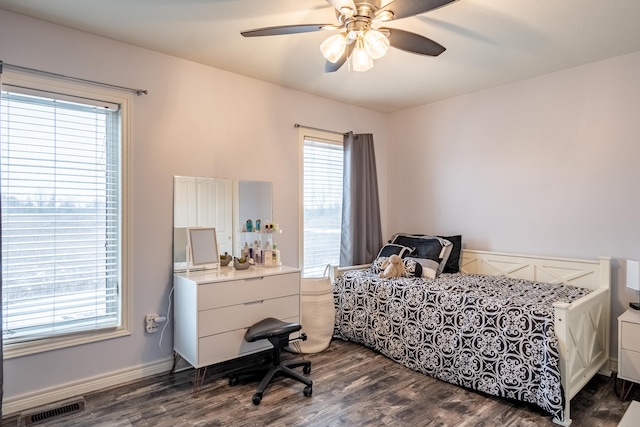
254,278
254,302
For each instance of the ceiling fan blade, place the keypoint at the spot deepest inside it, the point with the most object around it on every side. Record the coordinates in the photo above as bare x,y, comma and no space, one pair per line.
288,29
413,43
405,8
330,67
339,4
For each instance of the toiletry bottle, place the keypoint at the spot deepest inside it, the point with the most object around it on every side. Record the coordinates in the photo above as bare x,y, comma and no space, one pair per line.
245,251
249,226
258,224
276,256
258,253
267,255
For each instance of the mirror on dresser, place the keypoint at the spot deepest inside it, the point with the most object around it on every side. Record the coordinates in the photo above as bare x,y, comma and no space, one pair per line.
216,202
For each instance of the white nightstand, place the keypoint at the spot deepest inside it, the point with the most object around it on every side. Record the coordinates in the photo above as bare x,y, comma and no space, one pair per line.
629,349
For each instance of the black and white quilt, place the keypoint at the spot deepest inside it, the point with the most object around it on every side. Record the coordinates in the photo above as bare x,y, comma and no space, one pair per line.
489,333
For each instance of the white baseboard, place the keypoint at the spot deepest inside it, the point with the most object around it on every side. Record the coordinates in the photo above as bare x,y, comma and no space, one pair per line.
15,405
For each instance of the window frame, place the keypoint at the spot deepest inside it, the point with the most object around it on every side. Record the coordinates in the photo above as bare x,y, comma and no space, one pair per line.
318,135
58,88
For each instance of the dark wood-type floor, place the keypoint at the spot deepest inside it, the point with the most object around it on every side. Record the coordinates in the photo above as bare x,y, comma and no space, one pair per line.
353,386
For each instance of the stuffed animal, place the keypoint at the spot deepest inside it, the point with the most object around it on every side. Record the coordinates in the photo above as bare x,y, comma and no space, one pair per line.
393,267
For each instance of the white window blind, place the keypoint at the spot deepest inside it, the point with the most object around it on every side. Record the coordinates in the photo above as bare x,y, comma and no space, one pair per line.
322,205
60,173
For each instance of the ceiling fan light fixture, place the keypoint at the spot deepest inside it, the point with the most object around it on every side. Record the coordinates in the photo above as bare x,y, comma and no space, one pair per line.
360,59
333,47
376,43
360,44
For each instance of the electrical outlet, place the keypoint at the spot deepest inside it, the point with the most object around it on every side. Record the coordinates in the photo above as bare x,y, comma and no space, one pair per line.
152,326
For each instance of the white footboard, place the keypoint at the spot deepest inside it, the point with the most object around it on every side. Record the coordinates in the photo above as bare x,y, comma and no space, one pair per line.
582,330
582,327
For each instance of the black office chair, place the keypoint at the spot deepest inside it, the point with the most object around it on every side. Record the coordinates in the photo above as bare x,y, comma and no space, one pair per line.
277,332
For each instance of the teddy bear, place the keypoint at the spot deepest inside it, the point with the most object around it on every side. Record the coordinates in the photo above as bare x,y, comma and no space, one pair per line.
393,267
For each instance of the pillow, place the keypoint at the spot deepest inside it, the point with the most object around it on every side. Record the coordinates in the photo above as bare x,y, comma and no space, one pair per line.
393,249
412,268
427,247
453,262
376,265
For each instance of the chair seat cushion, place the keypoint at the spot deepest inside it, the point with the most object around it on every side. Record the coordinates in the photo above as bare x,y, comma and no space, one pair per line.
270,327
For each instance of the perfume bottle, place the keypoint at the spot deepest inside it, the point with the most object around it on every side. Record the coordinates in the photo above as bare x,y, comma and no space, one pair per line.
249,226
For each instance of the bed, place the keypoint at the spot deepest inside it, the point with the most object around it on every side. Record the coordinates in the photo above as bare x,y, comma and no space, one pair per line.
530,348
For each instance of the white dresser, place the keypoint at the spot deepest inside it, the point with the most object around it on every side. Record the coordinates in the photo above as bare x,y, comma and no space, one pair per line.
212,310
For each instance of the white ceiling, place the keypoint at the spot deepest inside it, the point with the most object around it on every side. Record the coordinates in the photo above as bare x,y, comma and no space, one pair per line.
489,42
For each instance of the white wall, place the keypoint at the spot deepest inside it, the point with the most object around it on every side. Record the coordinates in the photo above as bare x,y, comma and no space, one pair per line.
195,121
548,165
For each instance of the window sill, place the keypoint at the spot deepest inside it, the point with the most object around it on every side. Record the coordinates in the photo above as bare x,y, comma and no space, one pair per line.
11,351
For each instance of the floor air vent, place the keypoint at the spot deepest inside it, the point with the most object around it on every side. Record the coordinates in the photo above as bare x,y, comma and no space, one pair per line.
46,413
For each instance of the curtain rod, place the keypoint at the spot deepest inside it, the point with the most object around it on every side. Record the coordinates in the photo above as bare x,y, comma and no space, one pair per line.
297,125
76,79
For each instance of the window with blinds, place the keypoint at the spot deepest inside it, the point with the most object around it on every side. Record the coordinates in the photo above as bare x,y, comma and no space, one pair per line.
61,223
322,203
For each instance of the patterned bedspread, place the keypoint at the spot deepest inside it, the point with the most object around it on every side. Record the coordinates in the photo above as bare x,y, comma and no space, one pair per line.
489,333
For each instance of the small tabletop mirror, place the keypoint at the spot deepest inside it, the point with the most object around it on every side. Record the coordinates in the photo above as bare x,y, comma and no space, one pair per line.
203,246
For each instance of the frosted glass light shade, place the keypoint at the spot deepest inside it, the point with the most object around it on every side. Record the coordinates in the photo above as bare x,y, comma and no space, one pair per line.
377,44
360,59
333,47
633,274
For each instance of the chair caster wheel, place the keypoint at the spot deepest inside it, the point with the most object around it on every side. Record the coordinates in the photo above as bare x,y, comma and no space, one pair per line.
306,370
233,381
308,391
257,398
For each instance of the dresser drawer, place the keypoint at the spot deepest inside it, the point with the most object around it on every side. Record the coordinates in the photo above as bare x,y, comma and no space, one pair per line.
629,365
240,316
630,336
229,345
222,294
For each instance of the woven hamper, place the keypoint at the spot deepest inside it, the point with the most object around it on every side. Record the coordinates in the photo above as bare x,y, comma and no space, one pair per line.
317,314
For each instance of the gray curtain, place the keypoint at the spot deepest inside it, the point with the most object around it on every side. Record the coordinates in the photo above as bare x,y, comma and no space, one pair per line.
1,332
361,237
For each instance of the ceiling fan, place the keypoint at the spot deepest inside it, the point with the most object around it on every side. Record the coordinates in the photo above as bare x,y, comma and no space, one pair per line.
358,39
